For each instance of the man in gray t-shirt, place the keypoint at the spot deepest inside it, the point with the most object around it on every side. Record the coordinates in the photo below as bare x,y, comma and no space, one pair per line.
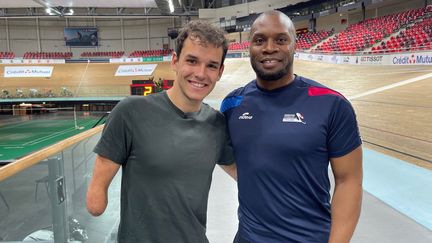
167,145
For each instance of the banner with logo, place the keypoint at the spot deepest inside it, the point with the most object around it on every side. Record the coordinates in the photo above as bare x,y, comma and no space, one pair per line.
120,60
152,59
28,71
135,70
371,59
167,58
419,58
424,58
32,61
334,59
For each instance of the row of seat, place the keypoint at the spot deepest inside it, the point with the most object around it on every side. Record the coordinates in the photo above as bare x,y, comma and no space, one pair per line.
112,54
48,55
151,53
306,40
238,46
69,55
7,55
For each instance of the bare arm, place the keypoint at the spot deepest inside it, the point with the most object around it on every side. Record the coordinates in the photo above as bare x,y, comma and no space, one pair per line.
103,173
231,170
347,197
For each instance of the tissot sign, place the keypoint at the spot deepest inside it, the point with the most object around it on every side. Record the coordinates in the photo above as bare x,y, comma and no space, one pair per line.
371,59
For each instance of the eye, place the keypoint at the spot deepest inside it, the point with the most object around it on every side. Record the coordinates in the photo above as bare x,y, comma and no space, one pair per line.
213,66
258,41
191,61
282,40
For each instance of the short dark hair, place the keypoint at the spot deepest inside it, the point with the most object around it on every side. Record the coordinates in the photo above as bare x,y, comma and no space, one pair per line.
205,33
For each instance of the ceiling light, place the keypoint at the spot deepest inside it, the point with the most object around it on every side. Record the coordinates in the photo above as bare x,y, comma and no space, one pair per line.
171,6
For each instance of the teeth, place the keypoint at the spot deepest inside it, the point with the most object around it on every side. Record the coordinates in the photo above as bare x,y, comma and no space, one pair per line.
199,85
269,61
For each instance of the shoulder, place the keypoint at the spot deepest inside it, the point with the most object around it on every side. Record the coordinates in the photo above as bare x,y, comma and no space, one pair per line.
130,100
140,100
316,89
235,97
212,116
136,105
212,112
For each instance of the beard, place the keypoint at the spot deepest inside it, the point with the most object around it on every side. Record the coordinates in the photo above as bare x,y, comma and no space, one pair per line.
270,76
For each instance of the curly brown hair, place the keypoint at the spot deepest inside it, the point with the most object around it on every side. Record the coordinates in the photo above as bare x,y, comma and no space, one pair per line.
205,33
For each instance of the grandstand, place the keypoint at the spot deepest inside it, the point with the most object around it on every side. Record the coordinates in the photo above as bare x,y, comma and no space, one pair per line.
378,54
372,32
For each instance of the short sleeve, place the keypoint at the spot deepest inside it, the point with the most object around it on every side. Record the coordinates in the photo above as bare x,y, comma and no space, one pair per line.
344,135
116,139
226,153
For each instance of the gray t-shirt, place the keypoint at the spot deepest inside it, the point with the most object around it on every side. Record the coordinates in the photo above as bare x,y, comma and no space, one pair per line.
167,159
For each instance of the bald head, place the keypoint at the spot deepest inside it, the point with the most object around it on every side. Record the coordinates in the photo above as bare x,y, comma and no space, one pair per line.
275,15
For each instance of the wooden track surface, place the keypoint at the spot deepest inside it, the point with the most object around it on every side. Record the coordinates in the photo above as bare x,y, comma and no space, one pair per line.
395,121
95,80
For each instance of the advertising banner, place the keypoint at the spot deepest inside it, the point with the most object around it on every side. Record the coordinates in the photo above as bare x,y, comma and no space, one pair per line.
126,59
28,71
424,58
135,70
418,58
32,61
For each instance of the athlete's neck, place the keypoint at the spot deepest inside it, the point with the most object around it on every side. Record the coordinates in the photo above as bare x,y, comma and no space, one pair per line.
274,84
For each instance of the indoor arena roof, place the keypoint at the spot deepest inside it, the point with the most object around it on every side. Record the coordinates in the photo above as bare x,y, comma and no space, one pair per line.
90,7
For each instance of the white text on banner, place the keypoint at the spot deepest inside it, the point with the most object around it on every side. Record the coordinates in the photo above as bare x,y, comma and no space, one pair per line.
28,71
135,70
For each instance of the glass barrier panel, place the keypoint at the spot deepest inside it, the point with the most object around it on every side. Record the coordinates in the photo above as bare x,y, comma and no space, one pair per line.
47,201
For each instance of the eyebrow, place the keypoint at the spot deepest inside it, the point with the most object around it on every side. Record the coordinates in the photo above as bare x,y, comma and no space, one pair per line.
191,56
278,34
211,61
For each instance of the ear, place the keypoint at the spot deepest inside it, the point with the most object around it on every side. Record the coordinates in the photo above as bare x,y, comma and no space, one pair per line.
221,69
174,61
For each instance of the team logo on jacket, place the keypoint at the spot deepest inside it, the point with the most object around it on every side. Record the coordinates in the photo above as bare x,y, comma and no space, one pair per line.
297,117
245,116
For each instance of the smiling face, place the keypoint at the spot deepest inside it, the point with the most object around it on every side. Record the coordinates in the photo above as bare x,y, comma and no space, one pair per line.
272,50
198,68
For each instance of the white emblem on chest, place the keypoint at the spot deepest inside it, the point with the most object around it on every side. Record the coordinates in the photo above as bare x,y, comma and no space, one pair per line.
297,117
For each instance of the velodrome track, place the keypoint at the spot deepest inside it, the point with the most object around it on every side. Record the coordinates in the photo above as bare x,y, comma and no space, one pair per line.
394,109
83,79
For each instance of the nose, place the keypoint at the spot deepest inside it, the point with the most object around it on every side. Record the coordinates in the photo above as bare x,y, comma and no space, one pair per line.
270,46
200,71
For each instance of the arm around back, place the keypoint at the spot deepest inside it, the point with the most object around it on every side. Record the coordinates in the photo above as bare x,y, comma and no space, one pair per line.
97,194
231,170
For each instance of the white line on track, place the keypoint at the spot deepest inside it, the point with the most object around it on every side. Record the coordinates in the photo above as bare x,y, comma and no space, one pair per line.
53,135
391,86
